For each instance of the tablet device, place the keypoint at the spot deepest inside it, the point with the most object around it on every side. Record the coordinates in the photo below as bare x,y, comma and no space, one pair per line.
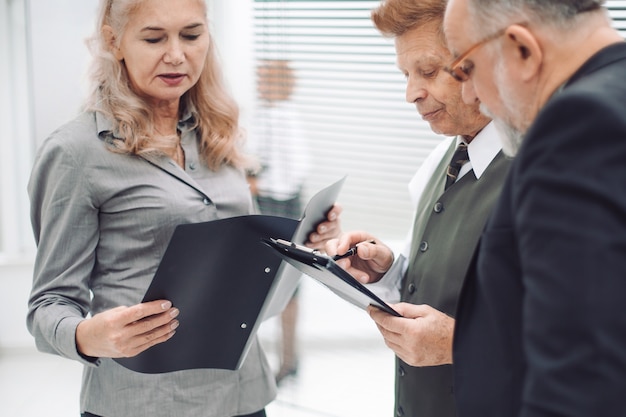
325,270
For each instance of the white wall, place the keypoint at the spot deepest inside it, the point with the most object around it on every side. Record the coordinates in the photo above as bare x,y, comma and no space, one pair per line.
51,95
231,24
60,59
15,279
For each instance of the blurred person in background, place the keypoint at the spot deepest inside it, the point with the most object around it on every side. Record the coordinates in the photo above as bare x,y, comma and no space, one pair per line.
279,143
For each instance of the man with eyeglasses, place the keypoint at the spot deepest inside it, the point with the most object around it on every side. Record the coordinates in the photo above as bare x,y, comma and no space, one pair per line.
452,206
541,324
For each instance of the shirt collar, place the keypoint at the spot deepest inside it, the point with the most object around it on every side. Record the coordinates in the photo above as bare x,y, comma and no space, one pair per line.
483,148
106,127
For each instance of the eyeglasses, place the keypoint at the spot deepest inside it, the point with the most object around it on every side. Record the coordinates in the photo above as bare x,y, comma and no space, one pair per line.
456,69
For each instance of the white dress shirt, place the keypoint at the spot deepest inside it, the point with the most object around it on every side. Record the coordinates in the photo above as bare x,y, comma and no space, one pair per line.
482,150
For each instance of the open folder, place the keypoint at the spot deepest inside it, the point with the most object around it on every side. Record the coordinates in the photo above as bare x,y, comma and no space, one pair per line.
225,281
324,269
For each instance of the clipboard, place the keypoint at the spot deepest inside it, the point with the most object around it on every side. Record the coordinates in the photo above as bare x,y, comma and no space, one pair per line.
326,271
288,277
218,275
223,279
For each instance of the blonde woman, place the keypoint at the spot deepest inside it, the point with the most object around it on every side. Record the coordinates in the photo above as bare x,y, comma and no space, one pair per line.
158,145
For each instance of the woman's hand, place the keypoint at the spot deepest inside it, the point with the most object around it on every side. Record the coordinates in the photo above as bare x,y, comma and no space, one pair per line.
329,229
127,331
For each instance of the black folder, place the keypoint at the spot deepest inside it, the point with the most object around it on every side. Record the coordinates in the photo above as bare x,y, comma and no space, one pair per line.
222,278
324,269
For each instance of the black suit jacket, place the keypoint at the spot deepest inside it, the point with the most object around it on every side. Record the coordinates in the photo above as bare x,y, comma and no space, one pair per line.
541,324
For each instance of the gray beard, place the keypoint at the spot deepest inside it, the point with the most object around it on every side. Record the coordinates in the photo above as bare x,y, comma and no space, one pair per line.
510,137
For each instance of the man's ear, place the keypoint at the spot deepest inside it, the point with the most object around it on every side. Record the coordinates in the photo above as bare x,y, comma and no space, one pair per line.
524,50
111,42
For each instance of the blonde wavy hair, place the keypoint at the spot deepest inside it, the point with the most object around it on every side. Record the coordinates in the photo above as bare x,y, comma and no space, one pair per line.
214,112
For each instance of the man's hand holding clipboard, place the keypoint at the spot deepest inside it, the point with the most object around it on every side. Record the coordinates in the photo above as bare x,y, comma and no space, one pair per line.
325,270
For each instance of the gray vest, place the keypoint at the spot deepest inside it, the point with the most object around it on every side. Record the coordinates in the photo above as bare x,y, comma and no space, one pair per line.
445,233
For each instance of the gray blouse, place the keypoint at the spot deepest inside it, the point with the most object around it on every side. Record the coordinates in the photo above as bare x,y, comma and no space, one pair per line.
102,221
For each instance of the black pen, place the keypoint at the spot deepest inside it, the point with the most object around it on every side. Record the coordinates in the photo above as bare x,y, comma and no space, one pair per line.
351,251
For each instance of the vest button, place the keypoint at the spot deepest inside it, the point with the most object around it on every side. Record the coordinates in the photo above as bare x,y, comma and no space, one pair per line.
401,371
411,288
438,207
423,246
400,412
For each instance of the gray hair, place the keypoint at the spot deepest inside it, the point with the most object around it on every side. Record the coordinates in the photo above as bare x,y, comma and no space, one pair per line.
491,15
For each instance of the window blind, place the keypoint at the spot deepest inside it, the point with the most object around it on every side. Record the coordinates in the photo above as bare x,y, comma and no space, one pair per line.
351,101
617,11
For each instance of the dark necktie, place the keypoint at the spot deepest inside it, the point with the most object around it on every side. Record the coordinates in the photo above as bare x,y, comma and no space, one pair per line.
459,158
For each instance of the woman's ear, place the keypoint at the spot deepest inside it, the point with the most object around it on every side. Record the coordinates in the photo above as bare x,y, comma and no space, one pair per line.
524,49
111,42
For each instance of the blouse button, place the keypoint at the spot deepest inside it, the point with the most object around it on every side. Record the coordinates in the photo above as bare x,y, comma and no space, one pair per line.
206,202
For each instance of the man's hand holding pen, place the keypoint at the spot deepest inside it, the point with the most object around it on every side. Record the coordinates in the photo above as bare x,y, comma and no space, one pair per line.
362,255
352,251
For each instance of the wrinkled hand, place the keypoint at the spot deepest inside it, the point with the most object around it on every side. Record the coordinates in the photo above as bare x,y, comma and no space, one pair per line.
422,337
127,331
372,260
329,229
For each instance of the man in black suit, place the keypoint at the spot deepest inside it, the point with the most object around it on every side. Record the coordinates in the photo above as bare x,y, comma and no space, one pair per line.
541,324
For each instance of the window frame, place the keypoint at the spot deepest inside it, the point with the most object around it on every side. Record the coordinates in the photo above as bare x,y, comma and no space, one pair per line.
16,132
